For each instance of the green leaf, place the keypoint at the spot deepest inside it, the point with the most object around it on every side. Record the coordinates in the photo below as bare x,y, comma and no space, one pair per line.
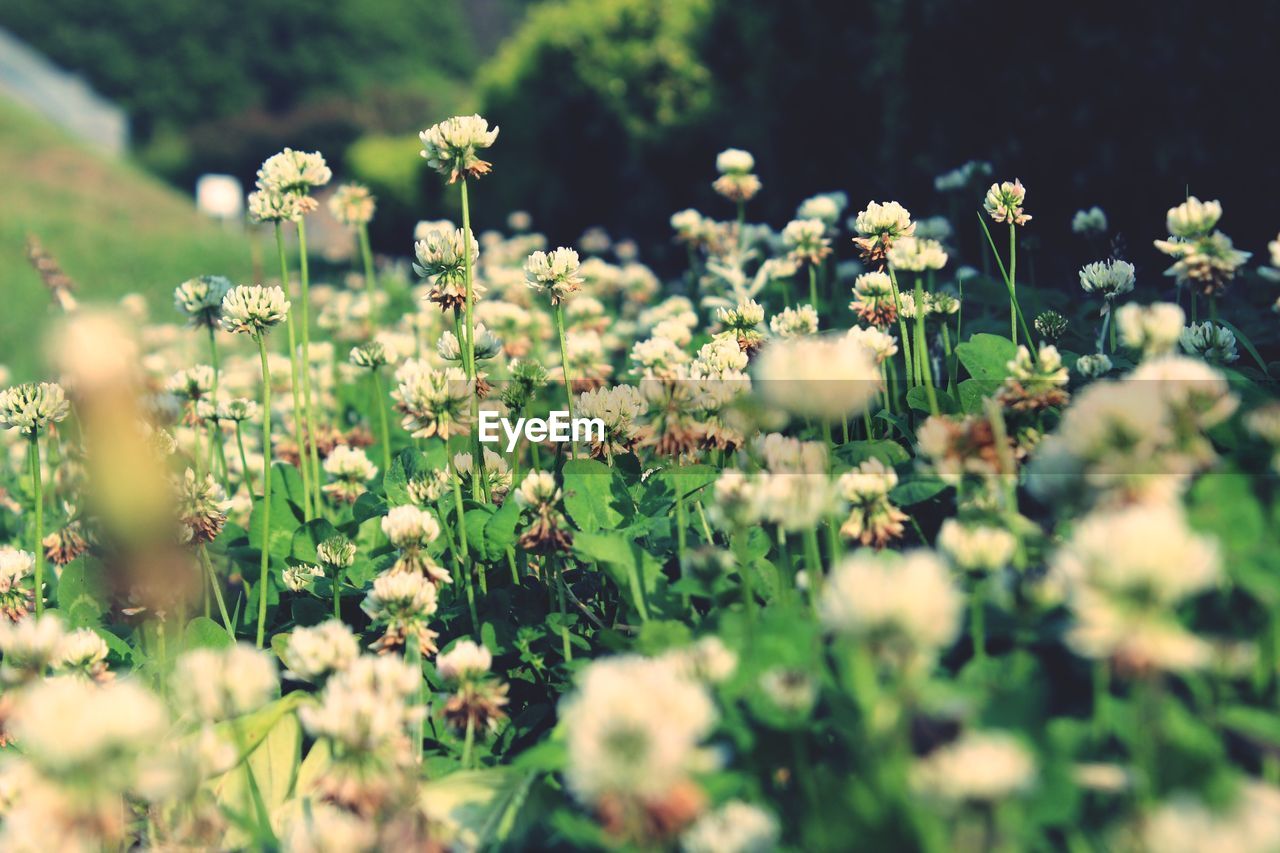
687,479
368,506
634,570
272,740
308,536
283,525
916,489
203,633
500,530
481,807
856,452
594,496
972,393
476,520
80,595
986,356
918,399
286,481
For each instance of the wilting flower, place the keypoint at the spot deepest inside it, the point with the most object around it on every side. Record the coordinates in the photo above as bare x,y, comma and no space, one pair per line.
1154,329
1089,223
218,684
352,204
878,226
477,699
976,547
450,146
351,470
295,172
905,606
873,519
253,309
313,654
1213,342
735,827
272,206
873,299
978,767
202,508
1108,279
32,407
200,299
66,543
1093,365
1003,203
441,256
15,567
434,402
401,603
805,241
411,531
556,273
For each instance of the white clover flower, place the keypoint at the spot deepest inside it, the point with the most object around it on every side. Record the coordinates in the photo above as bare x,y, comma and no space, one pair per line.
370,356
315,653
200,299
1089,223
783,454
253,309
1211,341
1248,824
1193,391
1093,365
220,684
336,552
734,161
805,241
296,172
191,383
400,602
889,218
735,827
272,206
1108,279
15,567
366,707
906,604
962,176
794,322
1154,329
826,207
538,489
82,651
238,410
746,315
408,525
871,479
1193,218
1003,202
434,402
497,472
976,547
692,227
983,767
823,378
720,358
300,577
633,726
657,357
74,728
28,646
450,146
352,204
32,407
880,344
441,256
708,659
351,469
487,345
466,661
913,254
556,273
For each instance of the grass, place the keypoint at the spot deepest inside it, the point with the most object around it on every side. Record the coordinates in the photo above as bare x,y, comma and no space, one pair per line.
113,229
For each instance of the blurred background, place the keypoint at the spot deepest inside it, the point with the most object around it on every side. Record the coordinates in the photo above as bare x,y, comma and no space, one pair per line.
612,112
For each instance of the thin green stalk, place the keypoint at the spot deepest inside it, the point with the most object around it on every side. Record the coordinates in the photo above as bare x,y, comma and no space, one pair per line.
244,460
295,389
217,423
217,591
813,559
977,621
37,545
382,422
464,567
903,337
564,365
370,274
468,741
306,365
413,657
469,348
1013,284
564,613
813,286
946,351
1111,324
1008,283
264,571
923,370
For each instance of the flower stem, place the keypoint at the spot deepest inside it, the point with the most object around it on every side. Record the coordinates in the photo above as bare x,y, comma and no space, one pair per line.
370,274
813,286
469,347
216,438
924,371
564,365
37,547
464,562
264,571
904,338
1013,284
306,363
217,591
564,615
382,422
977,621
295,390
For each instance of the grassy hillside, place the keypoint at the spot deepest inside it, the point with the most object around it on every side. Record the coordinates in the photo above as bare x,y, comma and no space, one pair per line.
113,229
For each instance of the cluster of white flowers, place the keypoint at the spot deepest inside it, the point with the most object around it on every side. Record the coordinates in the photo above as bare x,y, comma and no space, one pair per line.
979,767
794,322
434,402
976,547
366,707
450,146
1152,329
1004,202
1211,341
556,273
1108,279
823,378
315,653
32,407
200,299
253,309
351,470
805,241
219,684
913,254
1089,223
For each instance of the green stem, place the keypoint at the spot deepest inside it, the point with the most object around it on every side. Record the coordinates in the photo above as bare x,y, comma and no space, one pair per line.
977,621
904,338
464,562
217,591
469,348
468,741
37,547
564,614
244,460
813,286
295,390
564,366
923,370
370,275
381,404
1013,284
813,559
264,570
306,365
217,423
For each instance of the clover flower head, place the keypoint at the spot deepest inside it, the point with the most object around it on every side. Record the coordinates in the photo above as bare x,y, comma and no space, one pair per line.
191,383
32,407
1093,365
253,309
556,273
889,219
467,660
434,402
538,489
487,345
795,322
1050,325
873,299
350,469
83,652
15,567
917,255
735,826
826,207
29,645
734,161
1153,329
352,204
979,767
200,299
961,177
692,227
293,172
823,378
238,410
1208,262
317,652
881,344
300,577
202,508
218,684
370,356
1193,218
1089,223
401,603
976,547
274,206
1211,341
336,552
1003,202
1108,279
450,146
805,241
366,709
407,525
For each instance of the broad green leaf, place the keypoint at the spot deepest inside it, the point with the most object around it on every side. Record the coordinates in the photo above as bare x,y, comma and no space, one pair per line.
80,595
308,536
286,481
916,489
478,808
987,356
856,452
203,633
594,496
283,525
271,738
500,530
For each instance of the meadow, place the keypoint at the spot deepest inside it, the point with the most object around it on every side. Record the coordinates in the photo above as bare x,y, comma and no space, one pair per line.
882,547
